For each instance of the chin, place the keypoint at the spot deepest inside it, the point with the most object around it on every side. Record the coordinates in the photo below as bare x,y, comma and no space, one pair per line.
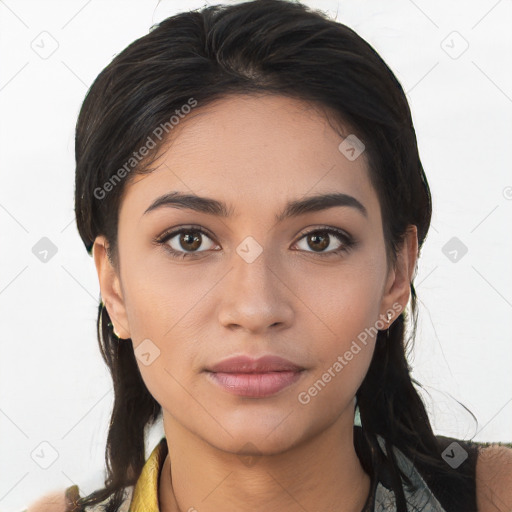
253,437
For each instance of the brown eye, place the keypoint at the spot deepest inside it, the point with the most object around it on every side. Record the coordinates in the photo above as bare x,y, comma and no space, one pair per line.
190,242
186,242
319,240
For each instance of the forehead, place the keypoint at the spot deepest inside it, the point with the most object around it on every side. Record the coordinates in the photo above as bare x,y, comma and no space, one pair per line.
255,152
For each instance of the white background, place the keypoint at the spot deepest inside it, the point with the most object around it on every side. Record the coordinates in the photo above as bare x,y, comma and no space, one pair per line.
54,385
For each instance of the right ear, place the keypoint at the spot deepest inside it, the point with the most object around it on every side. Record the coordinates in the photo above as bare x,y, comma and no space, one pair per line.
110,288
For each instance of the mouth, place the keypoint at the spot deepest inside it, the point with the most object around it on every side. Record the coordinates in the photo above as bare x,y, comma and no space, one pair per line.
246,364
255,385
254,378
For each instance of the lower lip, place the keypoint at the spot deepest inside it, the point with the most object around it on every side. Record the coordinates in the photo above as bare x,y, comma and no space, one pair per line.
255,385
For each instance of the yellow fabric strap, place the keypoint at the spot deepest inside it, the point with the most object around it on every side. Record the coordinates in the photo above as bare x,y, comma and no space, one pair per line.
145,494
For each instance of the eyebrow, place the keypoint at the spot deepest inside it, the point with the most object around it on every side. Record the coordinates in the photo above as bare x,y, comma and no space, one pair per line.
292,209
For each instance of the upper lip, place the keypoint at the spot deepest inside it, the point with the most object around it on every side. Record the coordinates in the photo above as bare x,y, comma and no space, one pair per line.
246,364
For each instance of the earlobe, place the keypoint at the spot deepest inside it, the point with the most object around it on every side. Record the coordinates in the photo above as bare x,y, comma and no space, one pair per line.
398,284
110,288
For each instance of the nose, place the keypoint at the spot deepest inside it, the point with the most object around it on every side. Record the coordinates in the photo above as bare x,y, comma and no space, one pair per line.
256,295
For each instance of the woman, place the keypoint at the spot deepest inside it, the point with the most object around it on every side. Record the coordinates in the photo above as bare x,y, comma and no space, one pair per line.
249,185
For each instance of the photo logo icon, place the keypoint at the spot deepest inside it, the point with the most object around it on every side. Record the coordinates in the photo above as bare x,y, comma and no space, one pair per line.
249,460
44,44
454,455
454,45
44,455
454,249
146,352
352,147
249,249
44,250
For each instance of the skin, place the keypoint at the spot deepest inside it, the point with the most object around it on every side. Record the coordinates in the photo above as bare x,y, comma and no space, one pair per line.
255,153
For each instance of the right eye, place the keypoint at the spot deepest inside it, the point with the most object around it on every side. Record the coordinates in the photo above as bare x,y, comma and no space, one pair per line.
184,242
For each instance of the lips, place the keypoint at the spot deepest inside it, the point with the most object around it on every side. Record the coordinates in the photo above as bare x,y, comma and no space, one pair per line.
254,378
245,364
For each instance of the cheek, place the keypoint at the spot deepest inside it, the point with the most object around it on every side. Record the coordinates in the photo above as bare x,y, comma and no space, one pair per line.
336,382
341,328
164,330
343,301
167,356
162,294
161,301
156,297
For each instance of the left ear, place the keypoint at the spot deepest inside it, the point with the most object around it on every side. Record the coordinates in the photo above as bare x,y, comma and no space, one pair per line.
398,283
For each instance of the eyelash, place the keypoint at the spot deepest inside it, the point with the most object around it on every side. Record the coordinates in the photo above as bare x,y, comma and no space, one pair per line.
348,242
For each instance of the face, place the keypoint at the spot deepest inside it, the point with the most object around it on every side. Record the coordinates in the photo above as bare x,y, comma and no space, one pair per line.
309,285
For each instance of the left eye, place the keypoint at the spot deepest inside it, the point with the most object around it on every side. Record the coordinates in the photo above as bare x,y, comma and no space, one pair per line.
322,239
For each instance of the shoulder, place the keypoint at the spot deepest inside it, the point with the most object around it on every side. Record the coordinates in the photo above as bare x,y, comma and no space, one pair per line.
52,502
494,478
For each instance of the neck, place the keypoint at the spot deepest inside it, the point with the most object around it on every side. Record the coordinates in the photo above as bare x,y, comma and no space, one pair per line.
321,473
